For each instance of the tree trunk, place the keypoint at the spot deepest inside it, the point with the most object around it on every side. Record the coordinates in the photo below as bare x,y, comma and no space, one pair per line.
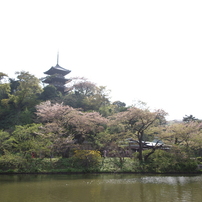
140,148
152,151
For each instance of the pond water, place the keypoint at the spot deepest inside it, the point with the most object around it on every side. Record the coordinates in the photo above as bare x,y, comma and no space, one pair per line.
101,188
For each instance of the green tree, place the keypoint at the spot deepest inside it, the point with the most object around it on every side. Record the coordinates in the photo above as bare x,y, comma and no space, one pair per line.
28,89
4,87
86,95
50,93
5,91
119,106
19,99
2,75
6,141
189,118
28,139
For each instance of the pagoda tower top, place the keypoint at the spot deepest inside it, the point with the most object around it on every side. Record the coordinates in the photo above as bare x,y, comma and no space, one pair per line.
57,69
57,76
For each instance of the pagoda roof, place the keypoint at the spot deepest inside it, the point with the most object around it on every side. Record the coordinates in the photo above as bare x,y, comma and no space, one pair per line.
57,69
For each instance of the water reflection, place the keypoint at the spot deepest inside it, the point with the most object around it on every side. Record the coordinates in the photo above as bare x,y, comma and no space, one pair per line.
100,188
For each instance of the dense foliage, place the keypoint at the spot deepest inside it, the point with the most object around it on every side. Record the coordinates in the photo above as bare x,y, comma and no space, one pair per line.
43,130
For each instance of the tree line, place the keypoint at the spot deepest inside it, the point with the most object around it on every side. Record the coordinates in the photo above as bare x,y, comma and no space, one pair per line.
40,121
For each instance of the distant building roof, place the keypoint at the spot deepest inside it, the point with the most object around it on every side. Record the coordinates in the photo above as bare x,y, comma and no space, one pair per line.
57,69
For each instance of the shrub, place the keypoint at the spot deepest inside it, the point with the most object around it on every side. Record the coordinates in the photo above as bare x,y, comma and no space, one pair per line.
11,162
163,162
89,160
199,160
64,163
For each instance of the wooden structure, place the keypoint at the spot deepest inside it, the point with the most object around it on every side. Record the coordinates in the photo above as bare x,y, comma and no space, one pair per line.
57,77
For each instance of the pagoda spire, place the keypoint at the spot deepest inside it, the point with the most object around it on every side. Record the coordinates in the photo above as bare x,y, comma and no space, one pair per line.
57,57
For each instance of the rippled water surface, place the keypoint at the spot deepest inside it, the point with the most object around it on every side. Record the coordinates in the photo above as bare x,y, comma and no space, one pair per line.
100,188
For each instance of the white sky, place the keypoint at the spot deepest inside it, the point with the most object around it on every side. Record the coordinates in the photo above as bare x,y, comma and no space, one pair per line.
147,50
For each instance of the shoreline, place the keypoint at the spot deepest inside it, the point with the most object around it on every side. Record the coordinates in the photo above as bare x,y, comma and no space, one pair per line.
74,173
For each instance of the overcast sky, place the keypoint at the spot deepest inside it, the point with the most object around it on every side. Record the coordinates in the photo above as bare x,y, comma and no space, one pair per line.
145,50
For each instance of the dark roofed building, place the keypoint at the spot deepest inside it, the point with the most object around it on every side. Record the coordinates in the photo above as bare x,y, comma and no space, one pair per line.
57,77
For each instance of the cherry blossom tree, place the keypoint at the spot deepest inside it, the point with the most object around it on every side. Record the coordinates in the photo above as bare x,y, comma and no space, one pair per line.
138,122
69,125
187,135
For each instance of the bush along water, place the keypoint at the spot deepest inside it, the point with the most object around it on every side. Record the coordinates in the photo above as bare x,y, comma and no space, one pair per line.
87,160
92,161
166,162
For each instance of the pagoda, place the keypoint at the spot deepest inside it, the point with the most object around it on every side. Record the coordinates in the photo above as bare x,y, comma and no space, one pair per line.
57,77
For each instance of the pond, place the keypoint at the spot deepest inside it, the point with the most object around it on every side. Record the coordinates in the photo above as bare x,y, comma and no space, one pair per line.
100,188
